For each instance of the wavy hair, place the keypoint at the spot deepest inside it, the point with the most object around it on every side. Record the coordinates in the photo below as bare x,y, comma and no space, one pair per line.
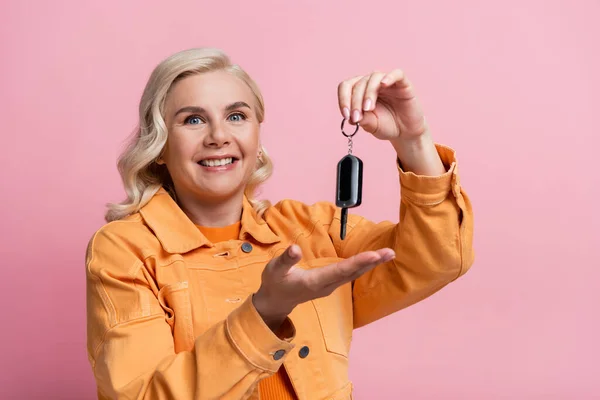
142,176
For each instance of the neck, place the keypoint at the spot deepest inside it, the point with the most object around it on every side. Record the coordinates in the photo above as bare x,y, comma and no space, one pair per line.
213,214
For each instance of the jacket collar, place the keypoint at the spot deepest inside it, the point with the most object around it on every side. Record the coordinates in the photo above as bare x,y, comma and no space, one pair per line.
178,234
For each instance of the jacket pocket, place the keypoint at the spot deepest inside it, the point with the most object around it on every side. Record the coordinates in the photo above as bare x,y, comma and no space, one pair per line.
175,300
334,313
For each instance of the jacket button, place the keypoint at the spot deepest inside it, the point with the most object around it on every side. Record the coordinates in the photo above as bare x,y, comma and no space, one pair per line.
278,355
304,352
246,247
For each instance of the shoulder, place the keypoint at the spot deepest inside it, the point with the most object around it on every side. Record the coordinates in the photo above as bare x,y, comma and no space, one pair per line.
119,244
298,212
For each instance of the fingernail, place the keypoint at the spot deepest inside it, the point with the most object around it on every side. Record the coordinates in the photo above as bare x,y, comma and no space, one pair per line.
293,251
356,116
367,105
346,112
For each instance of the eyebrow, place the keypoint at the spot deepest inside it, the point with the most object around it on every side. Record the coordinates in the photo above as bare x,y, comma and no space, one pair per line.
194,109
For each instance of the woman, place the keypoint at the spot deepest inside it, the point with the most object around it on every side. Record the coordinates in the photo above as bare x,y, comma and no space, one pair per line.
196,290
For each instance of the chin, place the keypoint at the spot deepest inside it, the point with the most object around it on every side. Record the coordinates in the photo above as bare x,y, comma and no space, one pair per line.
219,194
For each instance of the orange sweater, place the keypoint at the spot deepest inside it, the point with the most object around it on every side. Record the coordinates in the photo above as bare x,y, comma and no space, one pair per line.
278,385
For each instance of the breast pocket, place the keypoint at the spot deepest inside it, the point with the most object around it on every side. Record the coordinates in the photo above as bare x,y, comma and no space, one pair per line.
175,300
335,313
220,288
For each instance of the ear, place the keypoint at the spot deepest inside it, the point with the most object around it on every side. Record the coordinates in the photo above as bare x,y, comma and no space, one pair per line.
160,161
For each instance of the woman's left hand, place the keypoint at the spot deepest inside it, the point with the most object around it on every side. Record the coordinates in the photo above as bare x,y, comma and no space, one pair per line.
384,104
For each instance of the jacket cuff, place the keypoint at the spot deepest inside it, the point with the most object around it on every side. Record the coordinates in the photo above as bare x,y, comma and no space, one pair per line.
255,340
431,190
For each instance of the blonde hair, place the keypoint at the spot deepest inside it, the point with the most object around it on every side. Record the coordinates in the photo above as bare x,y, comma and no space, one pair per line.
142,177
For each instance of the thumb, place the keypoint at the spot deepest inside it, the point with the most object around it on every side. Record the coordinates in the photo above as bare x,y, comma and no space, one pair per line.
369,122
282,264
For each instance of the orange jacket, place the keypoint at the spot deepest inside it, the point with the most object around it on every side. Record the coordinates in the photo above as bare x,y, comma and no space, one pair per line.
170,314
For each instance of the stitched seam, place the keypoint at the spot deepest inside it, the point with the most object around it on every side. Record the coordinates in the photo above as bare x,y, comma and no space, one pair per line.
449,170
460,248
103,341
461,229
104,294
307,233
166,265
108,305
188,317
336,245
237,346
313,228
321,318
424,203
143,297
349,231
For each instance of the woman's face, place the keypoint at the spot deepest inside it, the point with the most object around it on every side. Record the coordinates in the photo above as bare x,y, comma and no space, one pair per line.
213,139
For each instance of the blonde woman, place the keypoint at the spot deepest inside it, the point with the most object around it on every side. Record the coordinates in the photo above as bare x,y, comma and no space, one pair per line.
197,290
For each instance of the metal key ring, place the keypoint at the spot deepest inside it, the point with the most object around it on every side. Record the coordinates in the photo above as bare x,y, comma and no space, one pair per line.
344,133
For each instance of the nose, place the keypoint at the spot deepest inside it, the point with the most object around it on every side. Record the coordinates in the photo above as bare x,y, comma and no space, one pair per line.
217,137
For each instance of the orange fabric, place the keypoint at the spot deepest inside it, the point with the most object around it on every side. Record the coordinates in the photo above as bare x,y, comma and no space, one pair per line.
277,387
274,387
170,314
221,234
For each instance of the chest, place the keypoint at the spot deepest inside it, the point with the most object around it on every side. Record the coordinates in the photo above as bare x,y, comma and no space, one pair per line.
200,289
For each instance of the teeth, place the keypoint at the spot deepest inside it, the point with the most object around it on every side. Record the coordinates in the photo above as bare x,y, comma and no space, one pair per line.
216,163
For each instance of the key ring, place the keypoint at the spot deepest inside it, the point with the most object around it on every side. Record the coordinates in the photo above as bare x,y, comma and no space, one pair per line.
345,134
349,182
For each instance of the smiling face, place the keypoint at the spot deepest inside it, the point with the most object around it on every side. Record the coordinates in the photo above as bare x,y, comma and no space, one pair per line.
213,139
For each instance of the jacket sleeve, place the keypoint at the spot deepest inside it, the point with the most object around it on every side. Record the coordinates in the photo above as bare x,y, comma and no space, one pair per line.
131,347
433,242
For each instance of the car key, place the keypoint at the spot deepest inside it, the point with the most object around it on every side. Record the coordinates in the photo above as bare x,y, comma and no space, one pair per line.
349,182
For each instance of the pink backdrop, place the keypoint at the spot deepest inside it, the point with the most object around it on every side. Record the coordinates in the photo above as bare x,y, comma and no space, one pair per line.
513,86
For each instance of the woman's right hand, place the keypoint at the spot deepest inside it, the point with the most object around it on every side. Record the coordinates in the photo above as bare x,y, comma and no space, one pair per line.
284,285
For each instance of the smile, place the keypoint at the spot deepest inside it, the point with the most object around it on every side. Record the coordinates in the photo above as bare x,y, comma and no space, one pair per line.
217,162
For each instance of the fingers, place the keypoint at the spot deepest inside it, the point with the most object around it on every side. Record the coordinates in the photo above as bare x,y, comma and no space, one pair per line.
347,270
356,103
403,87
369,96
362,262
396,76
345,95
359,94
351,97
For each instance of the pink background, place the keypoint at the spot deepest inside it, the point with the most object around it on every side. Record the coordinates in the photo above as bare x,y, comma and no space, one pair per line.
513,86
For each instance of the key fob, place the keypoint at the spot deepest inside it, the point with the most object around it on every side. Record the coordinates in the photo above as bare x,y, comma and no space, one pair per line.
349,182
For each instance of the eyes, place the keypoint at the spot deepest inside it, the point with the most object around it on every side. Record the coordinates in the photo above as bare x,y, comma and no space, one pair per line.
193,120
196,120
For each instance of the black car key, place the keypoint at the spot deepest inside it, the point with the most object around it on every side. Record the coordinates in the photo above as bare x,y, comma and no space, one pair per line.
349,182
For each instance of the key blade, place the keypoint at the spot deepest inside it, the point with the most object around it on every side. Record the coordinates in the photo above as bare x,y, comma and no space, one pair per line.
343,222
